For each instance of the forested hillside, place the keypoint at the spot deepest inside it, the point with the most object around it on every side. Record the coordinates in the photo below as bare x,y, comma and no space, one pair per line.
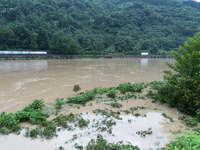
97,26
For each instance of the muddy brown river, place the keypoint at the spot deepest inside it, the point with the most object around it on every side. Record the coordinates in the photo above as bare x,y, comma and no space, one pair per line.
22,81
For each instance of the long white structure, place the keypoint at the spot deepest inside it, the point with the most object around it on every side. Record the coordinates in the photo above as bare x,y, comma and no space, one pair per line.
144,54
22,52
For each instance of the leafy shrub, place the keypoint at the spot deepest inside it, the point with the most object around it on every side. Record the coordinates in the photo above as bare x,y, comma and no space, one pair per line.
8,123
102,90
182,88
31,113
189,141
112,93
188,121
82,123
59,103
128,87
198,114
82,99
101,143
115,105
76,88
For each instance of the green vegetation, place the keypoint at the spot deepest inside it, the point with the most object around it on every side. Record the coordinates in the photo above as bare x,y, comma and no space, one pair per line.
165,115
32,113
82,99
76,88
144,133
189,141
182,87
48,129
188,121
129,87
101,143
59,103
115,105
97,26
112,93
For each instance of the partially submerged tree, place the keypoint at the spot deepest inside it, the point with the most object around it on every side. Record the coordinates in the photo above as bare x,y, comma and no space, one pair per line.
182,88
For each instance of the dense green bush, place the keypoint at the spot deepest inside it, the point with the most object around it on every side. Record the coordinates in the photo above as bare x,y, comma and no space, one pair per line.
31,113
189,141
182,88
82,99
102,144
112,93
129,87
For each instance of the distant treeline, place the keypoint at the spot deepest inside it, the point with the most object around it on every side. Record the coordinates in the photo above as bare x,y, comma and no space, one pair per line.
97,26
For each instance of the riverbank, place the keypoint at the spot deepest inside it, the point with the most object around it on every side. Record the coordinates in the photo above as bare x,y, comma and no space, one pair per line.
51,56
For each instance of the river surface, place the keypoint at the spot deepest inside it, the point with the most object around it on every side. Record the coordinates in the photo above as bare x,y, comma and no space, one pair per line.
22,81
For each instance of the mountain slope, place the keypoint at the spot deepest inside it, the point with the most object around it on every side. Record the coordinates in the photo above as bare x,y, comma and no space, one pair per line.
93,26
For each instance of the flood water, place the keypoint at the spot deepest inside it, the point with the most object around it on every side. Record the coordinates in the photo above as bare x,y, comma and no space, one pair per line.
22,81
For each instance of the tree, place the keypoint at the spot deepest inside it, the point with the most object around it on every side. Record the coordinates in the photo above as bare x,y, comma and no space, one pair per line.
33,37
182,88
6,37
64,44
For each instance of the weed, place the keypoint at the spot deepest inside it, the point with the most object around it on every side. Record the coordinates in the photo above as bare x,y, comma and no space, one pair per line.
165,115
141,115
115,105
128,87
31,113
102,144
144,133
188,121
142,97
61,148
133,109
59,103
82,99
126,111
112,93
78,146
56,112
82,123
189,141
108,113
76,88
198,114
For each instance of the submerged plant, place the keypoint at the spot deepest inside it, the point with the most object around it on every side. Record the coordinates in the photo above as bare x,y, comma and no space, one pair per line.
102,144
188,121
76,88
82,123
82,99
129,87
115,105
144,133
59,103
112,93
165,115
32,113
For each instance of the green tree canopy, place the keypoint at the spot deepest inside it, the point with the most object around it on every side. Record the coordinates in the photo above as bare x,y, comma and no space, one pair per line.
183,80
